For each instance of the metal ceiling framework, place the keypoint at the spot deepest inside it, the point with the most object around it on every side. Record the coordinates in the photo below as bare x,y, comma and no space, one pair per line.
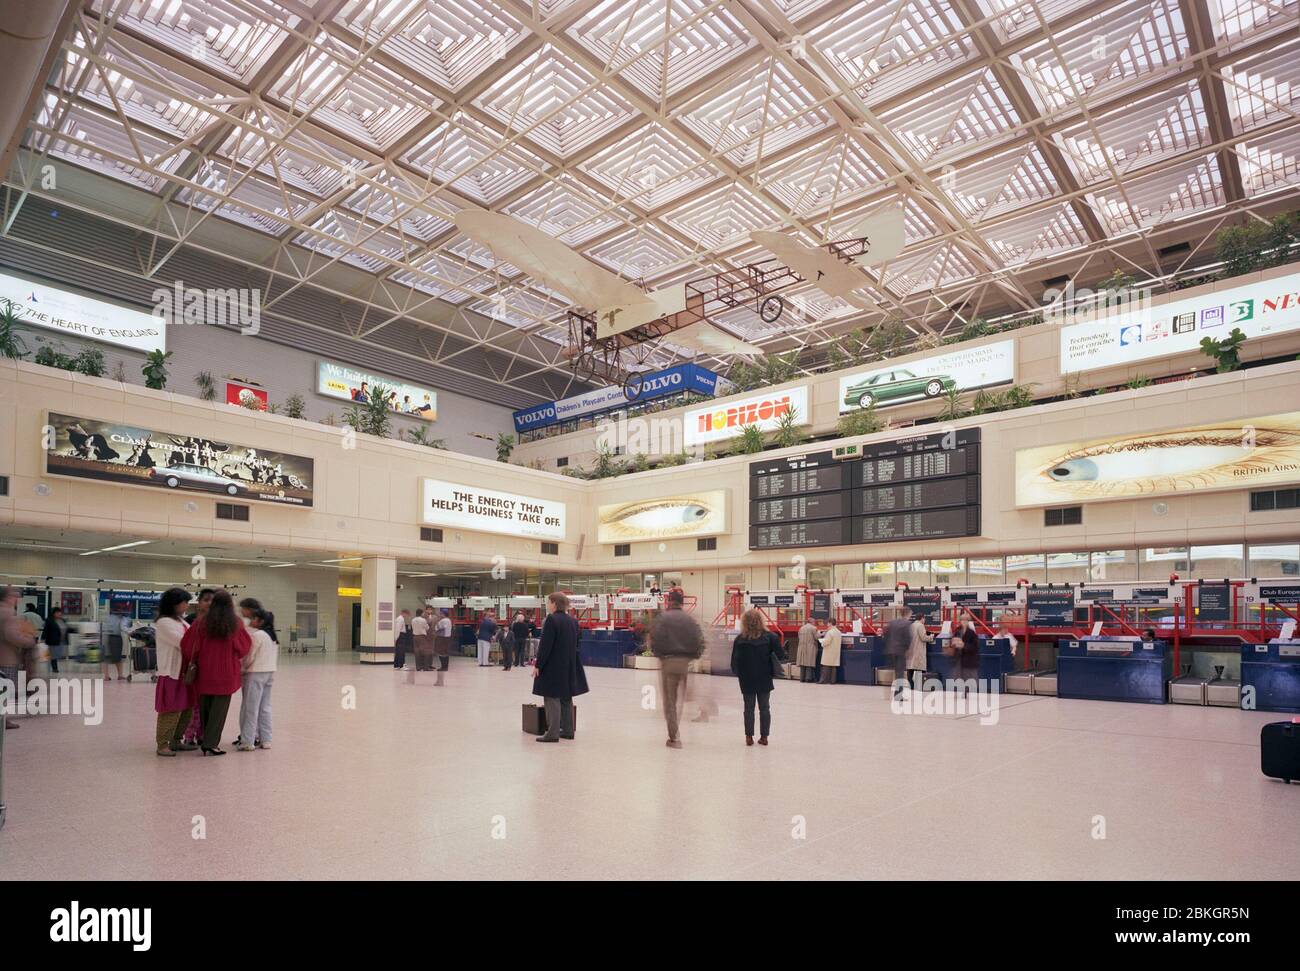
1024,139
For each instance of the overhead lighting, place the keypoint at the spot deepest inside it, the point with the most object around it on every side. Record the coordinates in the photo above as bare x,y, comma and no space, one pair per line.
278,566
122,546
346,559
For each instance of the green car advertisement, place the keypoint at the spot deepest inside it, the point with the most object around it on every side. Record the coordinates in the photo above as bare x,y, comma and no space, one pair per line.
925,379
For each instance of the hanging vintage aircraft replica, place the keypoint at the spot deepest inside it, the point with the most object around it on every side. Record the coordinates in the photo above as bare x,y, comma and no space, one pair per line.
613,337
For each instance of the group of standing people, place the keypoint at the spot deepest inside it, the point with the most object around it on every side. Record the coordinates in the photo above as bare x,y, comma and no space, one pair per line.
205,655
427,637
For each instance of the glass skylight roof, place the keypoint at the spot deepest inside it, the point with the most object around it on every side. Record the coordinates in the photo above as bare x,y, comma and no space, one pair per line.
1018,136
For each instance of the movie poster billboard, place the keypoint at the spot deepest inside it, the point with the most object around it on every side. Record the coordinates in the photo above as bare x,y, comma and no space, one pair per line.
1245,454
928,378
86,448
349,384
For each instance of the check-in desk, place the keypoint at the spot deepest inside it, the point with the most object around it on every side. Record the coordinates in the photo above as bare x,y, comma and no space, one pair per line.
860,656
605,648
1113,669
1270,675
995,662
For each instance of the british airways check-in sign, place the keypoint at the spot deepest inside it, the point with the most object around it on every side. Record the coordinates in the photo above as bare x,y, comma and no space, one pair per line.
682,377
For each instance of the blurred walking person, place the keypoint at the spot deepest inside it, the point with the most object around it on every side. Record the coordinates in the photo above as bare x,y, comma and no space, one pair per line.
402,640
676,639
55,637
916,652
898,639
17,637
753,656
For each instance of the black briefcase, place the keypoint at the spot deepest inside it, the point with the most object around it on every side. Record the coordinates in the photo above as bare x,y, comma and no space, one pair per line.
1279,750
535,719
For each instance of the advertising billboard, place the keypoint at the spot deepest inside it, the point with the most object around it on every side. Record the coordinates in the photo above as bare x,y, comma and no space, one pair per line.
1242,454
930,377
75,315
682,377
1114,340
246,396
668,517
86,448
460,506
349,384
725,420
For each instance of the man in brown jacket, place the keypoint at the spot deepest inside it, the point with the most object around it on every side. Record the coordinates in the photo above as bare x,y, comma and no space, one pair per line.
17,637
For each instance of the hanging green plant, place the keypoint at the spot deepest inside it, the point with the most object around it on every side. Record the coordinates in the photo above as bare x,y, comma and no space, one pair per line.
11,342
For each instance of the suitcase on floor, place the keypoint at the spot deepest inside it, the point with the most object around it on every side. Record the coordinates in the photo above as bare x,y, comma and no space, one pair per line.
1279,750
144,659
535,719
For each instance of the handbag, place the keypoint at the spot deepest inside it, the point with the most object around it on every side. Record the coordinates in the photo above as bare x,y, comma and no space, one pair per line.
778,668
191,672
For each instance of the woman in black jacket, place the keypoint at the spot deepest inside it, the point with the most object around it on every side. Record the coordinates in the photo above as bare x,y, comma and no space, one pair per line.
751,662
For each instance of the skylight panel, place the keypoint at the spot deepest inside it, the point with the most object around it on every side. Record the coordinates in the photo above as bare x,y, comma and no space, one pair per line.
97,140
1264,88
638,253
449,42
1270,165
765,108
832,172
721,218
649,168
950,121
556,103
369,103
661,48
567,211
232,37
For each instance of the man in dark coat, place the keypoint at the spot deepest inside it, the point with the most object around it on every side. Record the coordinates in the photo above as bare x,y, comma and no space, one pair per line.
558,676
898,638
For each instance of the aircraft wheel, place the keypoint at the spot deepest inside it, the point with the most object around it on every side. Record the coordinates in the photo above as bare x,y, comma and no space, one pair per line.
770,309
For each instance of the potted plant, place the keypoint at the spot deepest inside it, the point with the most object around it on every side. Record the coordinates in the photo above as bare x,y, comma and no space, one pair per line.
1226,352
154,369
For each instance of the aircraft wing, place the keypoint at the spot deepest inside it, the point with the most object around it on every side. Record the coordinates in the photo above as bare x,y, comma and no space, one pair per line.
828,274
545,258
884,232
706,338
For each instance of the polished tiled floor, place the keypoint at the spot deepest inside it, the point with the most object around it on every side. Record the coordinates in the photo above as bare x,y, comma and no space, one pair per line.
439,782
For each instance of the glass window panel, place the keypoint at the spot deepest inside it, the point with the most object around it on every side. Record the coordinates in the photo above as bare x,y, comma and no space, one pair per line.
1067,567
789,577
848,576
1112,565
915,573
986,570
819,577
1216,562
948,572
1026,566
878,573
1275,561
1160,561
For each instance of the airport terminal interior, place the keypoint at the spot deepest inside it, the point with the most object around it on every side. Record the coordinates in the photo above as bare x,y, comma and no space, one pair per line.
858,440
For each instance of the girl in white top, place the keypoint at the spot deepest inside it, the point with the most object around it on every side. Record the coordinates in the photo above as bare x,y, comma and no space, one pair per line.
258,676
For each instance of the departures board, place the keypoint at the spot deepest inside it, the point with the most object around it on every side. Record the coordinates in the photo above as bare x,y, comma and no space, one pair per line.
916,488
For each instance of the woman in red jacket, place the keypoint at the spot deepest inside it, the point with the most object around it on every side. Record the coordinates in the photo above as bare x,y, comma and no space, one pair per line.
216,642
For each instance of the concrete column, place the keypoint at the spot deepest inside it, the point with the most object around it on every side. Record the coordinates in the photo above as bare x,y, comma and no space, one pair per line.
378,608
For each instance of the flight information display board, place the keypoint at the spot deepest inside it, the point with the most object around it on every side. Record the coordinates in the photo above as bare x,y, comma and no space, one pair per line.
925,524
919,488
826,505
821,532
934,494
